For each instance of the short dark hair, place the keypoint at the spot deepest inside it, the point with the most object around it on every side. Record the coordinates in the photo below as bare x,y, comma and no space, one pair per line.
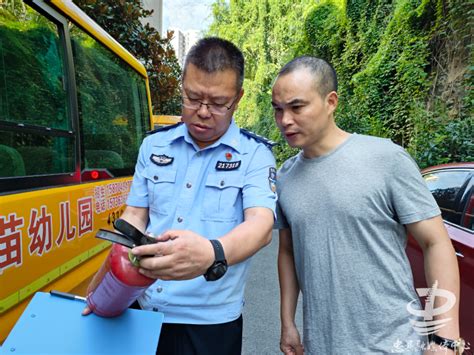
214,54
324,75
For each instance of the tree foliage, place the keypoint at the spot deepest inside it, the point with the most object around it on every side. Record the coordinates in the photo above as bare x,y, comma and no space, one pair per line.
404,66
121,19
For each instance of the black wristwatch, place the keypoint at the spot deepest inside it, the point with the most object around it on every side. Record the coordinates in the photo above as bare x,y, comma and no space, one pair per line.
219,267
456,345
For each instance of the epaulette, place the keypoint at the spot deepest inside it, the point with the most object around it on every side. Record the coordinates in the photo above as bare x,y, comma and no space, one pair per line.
270,144
164,128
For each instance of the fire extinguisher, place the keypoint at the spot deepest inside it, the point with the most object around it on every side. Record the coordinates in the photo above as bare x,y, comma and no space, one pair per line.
118,283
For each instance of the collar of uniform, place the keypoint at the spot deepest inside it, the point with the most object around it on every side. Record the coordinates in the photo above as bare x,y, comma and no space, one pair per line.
168,136
230,138
180,131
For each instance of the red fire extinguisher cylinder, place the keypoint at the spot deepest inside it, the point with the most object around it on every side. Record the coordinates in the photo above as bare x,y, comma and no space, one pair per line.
117,284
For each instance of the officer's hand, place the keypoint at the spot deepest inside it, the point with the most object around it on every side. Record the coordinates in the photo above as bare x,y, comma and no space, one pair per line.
179,255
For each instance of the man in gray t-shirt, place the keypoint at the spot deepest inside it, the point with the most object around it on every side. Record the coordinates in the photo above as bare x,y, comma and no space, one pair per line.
345,203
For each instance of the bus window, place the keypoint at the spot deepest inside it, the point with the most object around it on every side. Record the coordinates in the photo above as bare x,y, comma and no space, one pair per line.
113,106
36,127
41,154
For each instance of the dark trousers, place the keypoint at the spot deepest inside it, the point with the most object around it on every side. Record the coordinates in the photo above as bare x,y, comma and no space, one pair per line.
191,339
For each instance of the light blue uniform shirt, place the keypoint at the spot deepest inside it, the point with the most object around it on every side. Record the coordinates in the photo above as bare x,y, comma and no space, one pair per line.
205,191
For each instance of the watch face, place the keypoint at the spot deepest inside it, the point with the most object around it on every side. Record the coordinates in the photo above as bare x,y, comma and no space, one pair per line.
221,269
216,271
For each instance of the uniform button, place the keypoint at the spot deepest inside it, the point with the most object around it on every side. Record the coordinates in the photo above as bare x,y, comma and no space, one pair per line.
188,185
155,178
159,289
222,183
155,309
180,219
198,154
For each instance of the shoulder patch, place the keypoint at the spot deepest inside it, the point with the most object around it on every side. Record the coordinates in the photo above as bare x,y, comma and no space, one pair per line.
270,144
164,128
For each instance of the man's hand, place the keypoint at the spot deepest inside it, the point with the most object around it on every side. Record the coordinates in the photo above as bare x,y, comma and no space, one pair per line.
290,341
178,255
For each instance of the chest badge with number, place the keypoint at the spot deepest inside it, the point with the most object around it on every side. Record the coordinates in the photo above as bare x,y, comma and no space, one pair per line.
228,165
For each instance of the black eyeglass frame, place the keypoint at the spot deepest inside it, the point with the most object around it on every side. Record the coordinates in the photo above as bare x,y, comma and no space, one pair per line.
209,106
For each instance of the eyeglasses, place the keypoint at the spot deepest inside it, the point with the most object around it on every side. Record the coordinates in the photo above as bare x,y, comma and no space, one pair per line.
215,109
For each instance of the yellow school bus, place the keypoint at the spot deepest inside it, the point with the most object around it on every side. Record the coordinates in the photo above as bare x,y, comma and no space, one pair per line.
74,109
164,120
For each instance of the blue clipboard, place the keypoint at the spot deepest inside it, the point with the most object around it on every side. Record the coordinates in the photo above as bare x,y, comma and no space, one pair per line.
54,325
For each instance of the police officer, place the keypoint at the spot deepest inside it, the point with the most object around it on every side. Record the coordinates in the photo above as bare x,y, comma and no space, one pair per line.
206,188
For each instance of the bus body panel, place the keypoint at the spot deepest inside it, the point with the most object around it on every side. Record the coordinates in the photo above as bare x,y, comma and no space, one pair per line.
47,237
164,120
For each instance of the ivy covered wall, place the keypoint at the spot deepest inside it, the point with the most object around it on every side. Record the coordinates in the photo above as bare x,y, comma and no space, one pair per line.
405,67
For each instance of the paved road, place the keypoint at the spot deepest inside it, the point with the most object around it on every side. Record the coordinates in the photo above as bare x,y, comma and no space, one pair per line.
262,309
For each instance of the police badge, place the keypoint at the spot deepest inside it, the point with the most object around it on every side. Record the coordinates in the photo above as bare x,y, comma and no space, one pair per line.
161,160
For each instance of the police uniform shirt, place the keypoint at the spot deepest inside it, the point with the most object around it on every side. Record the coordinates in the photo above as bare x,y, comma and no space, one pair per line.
205,191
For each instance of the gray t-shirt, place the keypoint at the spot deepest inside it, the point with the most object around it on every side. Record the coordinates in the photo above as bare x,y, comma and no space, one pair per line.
346,212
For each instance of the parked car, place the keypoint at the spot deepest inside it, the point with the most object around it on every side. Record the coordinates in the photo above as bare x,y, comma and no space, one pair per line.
452,188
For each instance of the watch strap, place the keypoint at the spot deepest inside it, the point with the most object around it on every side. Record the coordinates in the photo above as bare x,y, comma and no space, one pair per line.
218,250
